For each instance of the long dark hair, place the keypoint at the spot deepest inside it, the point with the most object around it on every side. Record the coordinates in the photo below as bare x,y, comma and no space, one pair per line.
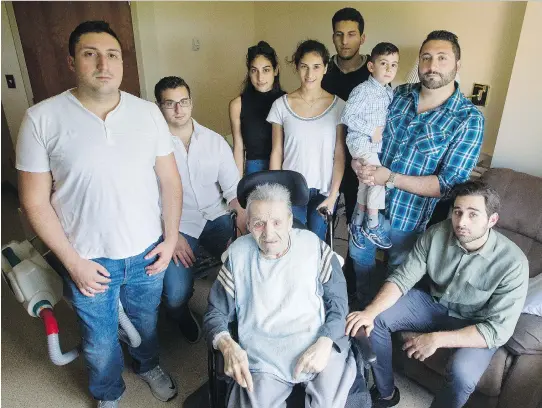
266,51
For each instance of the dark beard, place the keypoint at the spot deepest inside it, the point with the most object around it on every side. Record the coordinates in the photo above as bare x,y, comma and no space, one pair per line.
466,240
436,84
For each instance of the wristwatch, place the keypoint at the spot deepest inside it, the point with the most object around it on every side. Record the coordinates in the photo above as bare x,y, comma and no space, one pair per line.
390,183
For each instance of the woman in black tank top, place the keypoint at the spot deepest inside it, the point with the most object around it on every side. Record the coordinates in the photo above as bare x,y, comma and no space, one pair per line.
248,112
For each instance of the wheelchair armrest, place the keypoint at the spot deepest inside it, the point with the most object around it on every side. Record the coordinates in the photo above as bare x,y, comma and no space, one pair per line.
364,346
217,361
218,381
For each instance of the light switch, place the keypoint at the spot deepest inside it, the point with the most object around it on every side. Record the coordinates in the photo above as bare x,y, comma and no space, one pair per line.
479,94
11,81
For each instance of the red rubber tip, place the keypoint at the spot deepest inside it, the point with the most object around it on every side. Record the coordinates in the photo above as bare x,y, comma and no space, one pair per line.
51,326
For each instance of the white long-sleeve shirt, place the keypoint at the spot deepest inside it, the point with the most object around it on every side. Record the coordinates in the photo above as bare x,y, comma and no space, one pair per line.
209,176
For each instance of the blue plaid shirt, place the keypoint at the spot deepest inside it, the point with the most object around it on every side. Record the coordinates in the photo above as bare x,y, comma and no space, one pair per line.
444,141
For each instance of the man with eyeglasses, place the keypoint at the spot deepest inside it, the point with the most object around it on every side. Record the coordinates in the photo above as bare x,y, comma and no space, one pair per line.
210,176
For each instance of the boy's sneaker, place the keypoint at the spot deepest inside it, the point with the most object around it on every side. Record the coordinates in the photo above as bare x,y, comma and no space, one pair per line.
108,404
357,235
379,402
189,325
377,236
162,385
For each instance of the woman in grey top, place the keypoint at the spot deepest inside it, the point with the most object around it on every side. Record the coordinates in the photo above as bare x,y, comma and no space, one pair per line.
308,136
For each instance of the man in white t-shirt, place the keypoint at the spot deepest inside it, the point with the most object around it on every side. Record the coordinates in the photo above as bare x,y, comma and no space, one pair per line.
94,163
210,176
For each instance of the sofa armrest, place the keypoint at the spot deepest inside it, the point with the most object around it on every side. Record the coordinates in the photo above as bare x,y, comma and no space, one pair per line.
527,337
522,387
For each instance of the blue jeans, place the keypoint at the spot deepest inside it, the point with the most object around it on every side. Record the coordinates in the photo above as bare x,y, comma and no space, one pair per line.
99,322
418,311
369,278
178,280
252,166
308,215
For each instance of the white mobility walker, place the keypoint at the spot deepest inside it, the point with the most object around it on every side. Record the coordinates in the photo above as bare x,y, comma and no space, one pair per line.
39,287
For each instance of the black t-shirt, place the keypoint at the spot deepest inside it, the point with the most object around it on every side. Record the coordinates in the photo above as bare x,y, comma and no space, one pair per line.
338,83
255,129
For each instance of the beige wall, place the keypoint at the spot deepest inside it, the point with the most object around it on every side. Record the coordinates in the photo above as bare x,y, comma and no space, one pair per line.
519,143
164,31
488,34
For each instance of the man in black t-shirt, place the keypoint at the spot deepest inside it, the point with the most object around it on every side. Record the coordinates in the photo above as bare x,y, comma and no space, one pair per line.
346,70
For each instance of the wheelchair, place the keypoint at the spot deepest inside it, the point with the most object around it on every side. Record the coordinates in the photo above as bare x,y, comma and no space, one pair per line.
215,392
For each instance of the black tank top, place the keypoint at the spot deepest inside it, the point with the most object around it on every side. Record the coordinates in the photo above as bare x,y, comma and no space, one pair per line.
255,129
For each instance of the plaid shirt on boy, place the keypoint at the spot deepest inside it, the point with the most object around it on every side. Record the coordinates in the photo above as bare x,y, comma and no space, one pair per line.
444,141
365,110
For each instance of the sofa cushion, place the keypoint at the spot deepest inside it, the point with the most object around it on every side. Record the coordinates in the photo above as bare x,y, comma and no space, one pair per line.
491,382
527,337
520,218
530,247
533,302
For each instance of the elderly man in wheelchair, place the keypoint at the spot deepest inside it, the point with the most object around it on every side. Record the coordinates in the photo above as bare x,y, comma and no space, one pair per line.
285,289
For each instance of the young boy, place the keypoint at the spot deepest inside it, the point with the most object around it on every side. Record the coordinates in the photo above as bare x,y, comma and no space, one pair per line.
365,116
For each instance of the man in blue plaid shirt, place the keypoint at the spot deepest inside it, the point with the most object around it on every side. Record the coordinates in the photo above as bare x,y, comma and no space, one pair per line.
432,141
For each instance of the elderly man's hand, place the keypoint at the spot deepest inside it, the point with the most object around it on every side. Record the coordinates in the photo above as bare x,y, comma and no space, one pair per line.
315,358
235,362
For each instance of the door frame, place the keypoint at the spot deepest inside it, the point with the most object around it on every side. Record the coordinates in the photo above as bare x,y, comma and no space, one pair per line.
19,49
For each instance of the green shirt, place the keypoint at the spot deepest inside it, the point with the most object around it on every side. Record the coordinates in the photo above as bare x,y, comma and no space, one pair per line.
487,286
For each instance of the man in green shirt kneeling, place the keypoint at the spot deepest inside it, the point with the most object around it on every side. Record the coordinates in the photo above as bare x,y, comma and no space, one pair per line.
478,282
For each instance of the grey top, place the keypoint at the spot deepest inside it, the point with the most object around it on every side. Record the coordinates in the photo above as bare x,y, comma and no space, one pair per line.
488,285
281,305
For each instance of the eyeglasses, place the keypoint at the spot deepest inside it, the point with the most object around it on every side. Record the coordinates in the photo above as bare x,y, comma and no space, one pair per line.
184,103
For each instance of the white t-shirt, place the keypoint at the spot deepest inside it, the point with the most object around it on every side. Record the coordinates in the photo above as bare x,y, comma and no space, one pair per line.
105,189
309,143
209,174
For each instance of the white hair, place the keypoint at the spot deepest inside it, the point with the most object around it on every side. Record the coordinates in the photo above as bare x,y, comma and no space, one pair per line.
270,192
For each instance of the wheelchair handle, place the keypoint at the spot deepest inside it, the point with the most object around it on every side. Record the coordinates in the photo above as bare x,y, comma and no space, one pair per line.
233,215
365,346
324,212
